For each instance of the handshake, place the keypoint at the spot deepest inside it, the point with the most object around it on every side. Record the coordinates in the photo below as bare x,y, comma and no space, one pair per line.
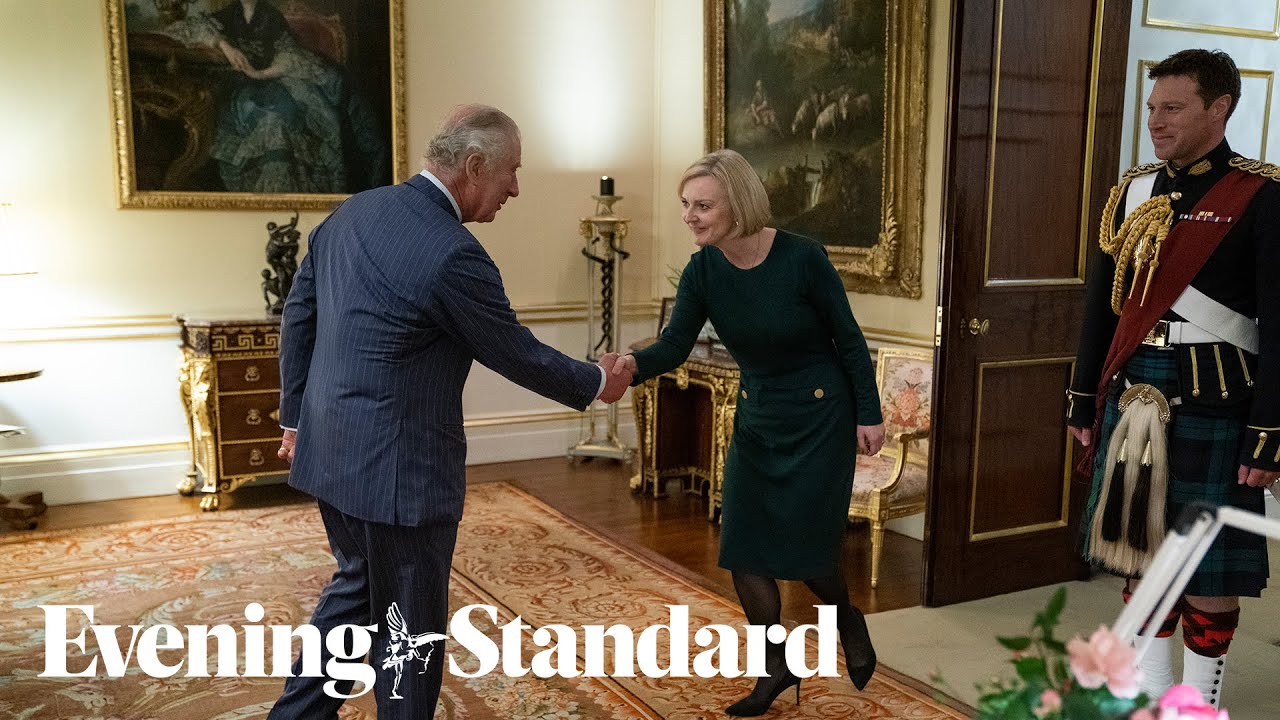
618,372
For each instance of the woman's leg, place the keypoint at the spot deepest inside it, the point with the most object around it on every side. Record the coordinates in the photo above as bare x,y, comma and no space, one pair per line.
763,606
760,598
859,654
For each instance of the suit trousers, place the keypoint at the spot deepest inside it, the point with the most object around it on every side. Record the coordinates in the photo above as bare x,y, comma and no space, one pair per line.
380,565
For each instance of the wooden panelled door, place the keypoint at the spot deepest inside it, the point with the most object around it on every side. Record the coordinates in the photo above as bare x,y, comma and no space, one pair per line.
1034,131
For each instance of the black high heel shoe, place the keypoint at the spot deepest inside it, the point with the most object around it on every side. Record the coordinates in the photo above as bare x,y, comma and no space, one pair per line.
859,654
766,691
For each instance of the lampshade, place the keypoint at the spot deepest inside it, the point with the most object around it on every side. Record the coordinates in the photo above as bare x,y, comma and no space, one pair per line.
15,259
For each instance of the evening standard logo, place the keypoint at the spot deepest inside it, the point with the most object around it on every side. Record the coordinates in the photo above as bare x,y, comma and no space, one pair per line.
562,651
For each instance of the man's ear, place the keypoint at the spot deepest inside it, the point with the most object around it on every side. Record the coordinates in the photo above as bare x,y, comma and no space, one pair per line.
1220,107
475,166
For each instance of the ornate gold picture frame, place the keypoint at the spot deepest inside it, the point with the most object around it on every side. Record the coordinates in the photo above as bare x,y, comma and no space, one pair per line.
826,99
280,104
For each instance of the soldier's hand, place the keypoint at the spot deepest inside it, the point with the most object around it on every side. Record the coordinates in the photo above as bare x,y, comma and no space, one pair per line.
1084,435
1256,477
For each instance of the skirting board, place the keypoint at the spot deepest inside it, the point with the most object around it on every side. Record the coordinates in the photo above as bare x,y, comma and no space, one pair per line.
114,475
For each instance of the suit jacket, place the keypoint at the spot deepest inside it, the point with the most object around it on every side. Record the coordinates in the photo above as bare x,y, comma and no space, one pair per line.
390,306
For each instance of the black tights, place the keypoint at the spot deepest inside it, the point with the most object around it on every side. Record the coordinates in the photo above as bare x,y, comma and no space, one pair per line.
762,602
763,606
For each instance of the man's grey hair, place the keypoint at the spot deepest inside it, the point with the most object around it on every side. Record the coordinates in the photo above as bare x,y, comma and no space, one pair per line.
471,129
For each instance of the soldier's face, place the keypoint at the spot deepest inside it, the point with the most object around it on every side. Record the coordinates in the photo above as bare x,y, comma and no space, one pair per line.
1182,128
706,210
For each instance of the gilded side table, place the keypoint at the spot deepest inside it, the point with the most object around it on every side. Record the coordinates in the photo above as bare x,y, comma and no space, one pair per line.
684,420
229,382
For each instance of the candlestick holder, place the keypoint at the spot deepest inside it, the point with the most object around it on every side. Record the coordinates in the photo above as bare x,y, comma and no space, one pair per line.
603,233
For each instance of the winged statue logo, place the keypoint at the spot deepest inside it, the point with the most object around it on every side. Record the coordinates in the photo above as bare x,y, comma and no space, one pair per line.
404,647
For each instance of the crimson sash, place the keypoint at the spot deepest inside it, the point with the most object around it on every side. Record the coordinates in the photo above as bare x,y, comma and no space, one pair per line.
1186,249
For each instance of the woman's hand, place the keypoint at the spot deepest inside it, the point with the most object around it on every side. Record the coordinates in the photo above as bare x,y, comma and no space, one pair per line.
235,57
625,363
870,438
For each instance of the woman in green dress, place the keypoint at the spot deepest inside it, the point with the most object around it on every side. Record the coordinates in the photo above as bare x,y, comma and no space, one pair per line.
808,403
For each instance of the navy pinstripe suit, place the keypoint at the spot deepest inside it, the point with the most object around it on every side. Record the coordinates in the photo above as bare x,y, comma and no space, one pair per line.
393,302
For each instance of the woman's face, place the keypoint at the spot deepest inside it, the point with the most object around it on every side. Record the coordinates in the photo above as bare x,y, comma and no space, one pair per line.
706,211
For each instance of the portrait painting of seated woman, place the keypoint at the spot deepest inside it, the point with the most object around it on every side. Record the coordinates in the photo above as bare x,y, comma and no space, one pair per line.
260,96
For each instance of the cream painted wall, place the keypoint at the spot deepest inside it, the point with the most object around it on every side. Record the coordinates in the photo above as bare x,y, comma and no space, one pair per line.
577,75
678,107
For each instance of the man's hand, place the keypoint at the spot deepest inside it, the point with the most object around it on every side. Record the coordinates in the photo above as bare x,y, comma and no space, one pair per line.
286,445
616,381
870,438
1084,435
1256,477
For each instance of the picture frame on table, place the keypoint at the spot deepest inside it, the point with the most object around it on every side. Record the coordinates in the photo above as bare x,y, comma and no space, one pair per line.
665,309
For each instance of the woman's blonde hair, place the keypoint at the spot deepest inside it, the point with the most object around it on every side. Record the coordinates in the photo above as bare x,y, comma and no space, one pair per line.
748,201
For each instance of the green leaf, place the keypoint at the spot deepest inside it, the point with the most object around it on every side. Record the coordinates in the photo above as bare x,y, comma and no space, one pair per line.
1112,705
1056,646
993,707
1016,644
1018,709
1056,604
1079,706
1030,669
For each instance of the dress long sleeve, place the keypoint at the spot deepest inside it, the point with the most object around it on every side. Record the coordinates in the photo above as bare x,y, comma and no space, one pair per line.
827,294
677,339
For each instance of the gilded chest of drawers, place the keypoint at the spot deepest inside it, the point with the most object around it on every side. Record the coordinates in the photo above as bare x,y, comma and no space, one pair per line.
230,386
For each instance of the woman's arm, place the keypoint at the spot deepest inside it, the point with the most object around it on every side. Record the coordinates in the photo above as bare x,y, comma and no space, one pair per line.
827,294
678,337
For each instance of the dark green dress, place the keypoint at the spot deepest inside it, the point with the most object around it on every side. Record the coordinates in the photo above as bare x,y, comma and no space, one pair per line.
807,383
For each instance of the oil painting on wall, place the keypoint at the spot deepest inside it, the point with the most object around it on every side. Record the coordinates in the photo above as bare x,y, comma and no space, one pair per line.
825,98
255,103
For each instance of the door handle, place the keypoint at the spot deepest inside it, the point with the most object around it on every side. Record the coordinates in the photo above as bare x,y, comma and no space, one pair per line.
975,326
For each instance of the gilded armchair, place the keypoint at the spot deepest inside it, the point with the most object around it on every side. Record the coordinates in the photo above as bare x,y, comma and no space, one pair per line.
893,484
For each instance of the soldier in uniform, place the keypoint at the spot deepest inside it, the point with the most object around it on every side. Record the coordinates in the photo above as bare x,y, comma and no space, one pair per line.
1176,393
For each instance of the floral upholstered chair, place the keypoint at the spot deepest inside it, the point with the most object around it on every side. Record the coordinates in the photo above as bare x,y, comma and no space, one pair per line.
893,484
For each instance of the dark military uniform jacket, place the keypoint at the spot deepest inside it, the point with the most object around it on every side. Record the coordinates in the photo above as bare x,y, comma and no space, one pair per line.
1243,273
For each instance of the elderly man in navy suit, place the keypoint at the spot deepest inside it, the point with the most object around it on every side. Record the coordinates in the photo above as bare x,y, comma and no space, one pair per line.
392,304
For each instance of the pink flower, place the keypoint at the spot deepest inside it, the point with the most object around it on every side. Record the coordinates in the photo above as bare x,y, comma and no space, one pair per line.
1143,714
1183,702
1105,659
1050,702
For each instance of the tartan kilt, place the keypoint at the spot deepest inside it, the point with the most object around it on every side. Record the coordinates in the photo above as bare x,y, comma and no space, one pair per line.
1203,465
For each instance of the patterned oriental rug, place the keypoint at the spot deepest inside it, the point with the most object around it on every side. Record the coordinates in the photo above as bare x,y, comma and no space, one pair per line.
514,553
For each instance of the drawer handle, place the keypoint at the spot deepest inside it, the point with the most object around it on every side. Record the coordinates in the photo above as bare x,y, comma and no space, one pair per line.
251,374
256,458
253,418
